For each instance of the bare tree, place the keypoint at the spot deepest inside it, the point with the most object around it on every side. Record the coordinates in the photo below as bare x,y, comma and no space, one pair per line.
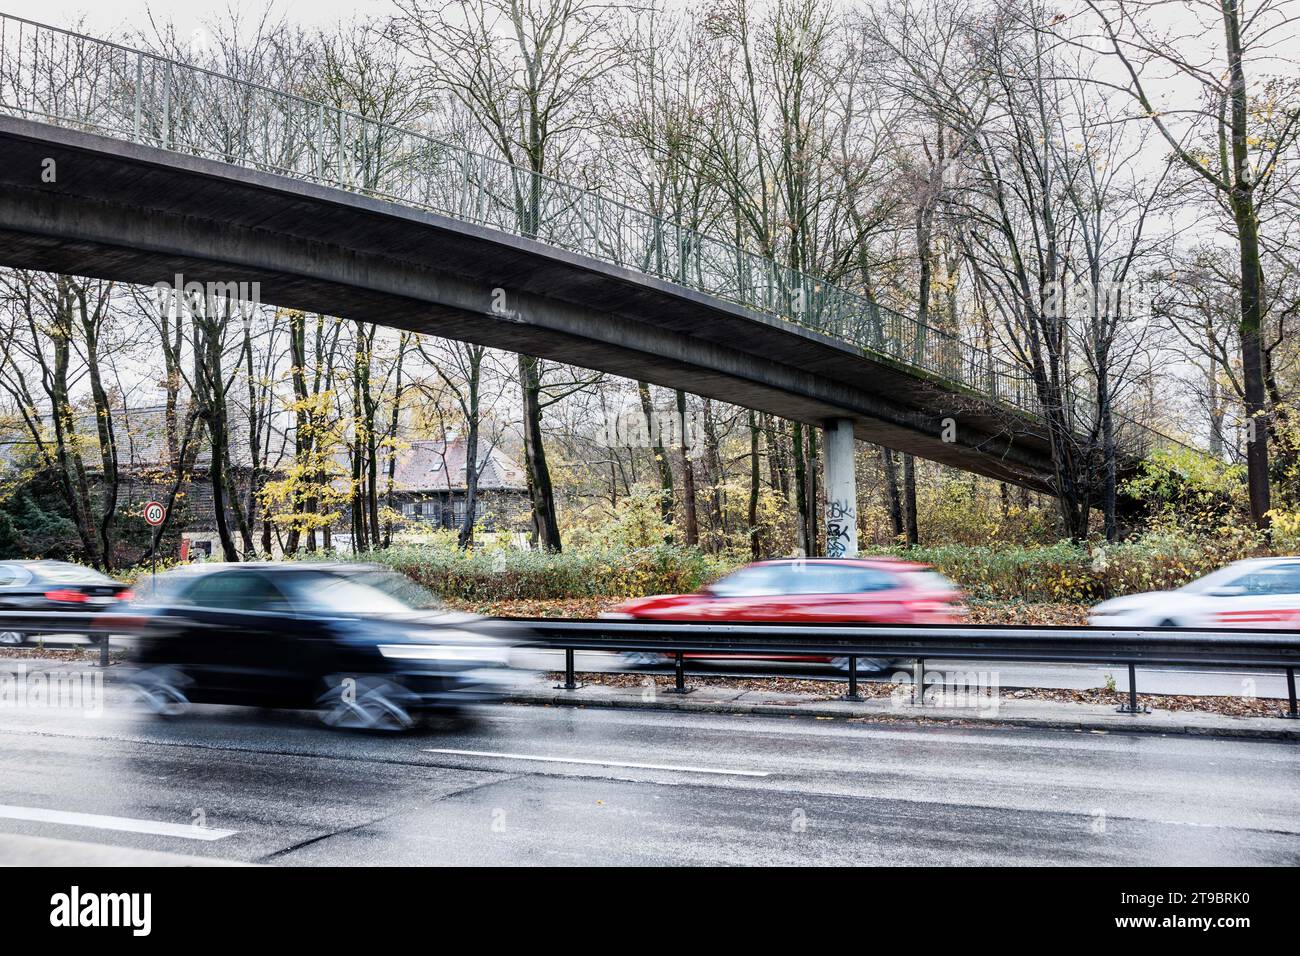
1214,141
528,72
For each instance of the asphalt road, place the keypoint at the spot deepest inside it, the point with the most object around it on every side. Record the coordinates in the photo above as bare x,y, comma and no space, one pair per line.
535,785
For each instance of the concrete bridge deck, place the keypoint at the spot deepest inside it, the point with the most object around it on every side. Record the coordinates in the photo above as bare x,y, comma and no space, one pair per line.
137,213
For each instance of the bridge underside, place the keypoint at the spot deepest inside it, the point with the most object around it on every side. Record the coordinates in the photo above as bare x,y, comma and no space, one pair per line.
137,214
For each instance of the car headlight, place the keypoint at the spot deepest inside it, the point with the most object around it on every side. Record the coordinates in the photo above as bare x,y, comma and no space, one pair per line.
444,652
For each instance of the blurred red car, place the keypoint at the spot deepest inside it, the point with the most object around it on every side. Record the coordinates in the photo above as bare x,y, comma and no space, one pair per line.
878,590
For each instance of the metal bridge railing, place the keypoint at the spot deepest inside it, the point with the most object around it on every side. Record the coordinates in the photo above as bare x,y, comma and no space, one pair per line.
71,80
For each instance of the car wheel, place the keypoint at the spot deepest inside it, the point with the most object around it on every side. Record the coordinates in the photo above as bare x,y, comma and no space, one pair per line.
1168,622
365,703
866,665
163,691
10,638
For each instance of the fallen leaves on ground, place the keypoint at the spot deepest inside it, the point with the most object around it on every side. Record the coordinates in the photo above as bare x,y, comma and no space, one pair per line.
575,608
1023,612
71,654
980,612
1181,703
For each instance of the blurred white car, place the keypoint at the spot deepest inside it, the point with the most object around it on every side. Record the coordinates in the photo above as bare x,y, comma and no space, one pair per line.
1260,593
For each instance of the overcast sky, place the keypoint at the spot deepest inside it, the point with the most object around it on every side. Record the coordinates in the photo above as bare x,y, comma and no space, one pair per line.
104,16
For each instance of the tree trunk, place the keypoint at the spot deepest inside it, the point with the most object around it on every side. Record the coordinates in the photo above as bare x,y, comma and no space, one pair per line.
661,457
909,501
1241,199
71,467
465,537
390,478
104,427
713,464
546,529
1110,483
210,381
803,542
298,377
892,493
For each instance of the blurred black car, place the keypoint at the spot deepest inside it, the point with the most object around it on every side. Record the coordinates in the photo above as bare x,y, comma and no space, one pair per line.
349,640
55,586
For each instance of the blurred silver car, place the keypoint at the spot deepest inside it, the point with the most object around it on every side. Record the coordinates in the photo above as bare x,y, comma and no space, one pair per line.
1259,593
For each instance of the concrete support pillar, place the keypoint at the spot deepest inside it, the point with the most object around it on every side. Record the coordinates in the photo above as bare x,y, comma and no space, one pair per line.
841,490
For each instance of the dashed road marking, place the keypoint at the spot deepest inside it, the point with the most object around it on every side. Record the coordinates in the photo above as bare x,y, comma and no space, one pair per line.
99,821
596,763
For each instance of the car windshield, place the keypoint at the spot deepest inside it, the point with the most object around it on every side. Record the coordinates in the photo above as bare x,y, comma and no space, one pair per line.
1224,577
802,577
397,585
342,594
1272,579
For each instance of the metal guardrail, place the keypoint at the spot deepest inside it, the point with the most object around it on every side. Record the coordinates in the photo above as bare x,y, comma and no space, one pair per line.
68,79
97,626
1127,647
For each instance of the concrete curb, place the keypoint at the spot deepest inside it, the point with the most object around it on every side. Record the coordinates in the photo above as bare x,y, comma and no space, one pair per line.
1040,715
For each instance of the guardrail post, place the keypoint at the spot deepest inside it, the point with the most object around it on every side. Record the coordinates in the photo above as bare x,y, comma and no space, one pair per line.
918,682
1132,706
679,673
570,678
103,650
1290,694
853,679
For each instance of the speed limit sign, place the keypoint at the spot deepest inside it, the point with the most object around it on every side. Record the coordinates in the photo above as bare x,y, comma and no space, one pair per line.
154,512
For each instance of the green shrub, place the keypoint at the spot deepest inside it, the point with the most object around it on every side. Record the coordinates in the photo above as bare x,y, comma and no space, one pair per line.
1058,573
1189,492
511,574
1078,574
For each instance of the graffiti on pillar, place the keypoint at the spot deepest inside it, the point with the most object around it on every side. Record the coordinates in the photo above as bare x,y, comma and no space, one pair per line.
841,526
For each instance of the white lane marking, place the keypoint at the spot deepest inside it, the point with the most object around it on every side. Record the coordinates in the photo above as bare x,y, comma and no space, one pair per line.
99,821
595,763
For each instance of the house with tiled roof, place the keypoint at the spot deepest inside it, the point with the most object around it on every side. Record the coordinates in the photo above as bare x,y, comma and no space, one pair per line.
429,484
429,487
